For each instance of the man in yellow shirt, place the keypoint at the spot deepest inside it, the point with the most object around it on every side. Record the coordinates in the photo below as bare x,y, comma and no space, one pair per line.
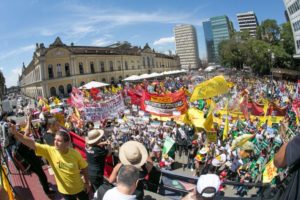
66,163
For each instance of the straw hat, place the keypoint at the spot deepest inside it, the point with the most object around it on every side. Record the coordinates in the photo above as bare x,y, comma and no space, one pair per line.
133,153
94,136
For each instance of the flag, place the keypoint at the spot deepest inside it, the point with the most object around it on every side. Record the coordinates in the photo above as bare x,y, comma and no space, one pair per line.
270,172
210,88
208,123
56,101
5,184
244,106
266,106
241,140
226,128
169,142
77,113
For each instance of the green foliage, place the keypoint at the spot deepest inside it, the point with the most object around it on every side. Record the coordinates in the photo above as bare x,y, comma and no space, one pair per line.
273,47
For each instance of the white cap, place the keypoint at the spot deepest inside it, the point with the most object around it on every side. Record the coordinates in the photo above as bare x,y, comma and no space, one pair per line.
208,180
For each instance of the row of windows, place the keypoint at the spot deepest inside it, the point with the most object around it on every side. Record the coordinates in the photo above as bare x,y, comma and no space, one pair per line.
294,7
102,67
296,25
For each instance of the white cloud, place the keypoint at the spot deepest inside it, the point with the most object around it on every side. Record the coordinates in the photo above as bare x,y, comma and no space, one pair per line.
12,76
17,51
101,42
165,40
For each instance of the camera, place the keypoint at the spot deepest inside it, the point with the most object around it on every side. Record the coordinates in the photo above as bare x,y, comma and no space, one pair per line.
6,138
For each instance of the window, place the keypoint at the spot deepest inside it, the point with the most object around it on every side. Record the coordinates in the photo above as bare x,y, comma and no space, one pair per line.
61,90
92,67
126,65
50,72
112,80
119,66
69,88
59,72
152,62
111,66
144,61
67,69
102,66
81,71
52,91
148,62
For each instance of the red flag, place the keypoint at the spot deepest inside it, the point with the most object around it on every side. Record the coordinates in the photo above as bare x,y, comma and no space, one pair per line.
244,106
94,92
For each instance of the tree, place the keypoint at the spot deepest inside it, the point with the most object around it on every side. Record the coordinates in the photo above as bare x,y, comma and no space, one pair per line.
269,31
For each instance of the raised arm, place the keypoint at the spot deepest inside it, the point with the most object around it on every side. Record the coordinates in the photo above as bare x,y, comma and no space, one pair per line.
22,138
280,158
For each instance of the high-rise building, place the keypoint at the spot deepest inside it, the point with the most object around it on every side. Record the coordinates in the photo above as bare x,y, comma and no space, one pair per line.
187,46
293,9
219,28
209,40
248,22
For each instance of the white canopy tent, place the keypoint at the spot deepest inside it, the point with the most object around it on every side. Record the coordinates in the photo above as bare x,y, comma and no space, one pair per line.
209,68
93,84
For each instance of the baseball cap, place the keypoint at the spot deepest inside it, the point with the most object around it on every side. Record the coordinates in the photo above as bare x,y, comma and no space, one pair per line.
208,185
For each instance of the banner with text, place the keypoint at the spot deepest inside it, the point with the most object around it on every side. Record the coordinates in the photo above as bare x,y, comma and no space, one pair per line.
104,110
164,105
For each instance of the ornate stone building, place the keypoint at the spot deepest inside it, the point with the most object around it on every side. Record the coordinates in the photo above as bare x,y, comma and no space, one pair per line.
56,69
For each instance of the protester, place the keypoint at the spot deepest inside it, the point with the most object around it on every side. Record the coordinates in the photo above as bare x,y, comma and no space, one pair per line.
96,153
127,181
206,189
135,154
66,163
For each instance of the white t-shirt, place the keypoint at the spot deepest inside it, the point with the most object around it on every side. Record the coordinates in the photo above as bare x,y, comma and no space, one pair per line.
115,194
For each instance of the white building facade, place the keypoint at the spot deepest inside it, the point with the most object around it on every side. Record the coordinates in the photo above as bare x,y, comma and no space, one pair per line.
248,22
293,10
187,46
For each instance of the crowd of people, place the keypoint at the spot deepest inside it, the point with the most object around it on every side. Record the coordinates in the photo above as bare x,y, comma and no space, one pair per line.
123,150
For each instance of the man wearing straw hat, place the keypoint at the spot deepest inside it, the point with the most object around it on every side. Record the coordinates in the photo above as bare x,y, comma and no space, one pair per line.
96,153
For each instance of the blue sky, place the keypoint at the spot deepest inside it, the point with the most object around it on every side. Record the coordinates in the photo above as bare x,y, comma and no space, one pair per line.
102,22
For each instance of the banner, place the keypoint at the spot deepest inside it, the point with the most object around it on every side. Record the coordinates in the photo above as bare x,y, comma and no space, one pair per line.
135,96
210,88
164,105
211,136
169,142
270,172
104,110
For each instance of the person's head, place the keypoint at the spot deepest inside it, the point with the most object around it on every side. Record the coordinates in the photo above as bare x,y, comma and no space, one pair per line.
62,141
133,153
4,116
94,137
207,186
52,124
127,178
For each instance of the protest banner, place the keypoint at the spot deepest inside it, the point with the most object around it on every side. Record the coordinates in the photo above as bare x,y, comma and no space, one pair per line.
164,105
103,110
211,136
270,172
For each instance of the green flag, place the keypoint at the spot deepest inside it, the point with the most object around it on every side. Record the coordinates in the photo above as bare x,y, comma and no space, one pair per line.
169,142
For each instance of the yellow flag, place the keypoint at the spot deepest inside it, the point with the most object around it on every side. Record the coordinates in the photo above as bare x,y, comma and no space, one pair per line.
226,128
208,123
41,102
210,88
56,101
297,120
266,106
6,186
77,113
270,172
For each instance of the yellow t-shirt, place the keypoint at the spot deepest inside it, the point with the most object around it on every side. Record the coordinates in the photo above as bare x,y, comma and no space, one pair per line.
66,167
